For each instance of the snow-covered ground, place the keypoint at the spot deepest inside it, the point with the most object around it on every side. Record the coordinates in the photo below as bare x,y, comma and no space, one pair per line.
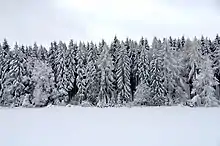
62,126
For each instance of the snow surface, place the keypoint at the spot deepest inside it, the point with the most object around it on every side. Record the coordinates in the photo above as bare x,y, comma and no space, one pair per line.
76,126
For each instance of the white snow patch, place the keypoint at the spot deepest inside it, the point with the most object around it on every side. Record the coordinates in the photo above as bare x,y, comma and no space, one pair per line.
77,126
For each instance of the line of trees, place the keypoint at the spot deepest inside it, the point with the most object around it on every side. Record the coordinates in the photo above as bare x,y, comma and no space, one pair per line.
167,72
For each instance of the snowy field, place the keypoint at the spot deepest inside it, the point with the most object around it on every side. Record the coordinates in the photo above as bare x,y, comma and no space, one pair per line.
76,126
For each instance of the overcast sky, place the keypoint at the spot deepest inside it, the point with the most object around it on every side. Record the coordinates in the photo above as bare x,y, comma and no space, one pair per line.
43,21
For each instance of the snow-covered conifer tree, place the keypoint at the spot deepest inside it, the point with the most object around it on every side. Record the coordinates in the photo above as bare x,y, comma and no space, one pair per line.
70,71
114,51
204,46
157,75
92,74
44,83
42,53
203,85
5,59
81,80
60,65
172,75
142,94
106,92
123,75
143,63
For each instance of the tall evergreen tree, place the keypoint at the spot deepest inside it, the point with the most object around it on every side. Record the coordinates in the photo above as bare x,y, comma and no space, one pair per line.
106,93
81,80
5,59
60,65
42,53
114,51
143,62
156,75
123,75
70,71
204,46
92,74
172,75
203,86
183,41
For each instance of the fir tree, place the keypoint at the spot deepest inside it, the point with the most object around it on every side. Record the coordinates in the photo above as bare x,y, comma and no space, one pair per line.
106,93
70,70
92,74
42,53
144,62
203,86
5,59
172,77
123,76
44,84
60,65
114,51
183,41
81,80
156,75
142,94
204,46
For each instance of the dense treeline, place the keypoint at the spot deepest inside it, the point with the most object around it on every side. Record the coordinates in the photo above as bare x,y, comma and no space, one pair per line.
167,72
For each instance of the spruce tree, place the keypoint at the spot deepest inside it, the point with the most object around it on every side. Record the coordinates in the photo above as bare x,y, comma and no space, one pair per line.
60,65
42,53
70,70
156,75
106,92
123,75
81,80
172,75
204,46
203,85
5,59
144,62
92,74
114,51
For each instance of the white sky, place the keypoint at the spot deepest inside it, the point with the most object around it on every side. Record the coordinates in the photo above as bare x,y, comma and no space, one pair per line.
43,21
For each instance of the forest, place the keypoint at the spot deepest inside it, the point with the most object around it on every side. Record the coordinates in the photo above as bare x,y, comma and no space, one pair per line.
167,72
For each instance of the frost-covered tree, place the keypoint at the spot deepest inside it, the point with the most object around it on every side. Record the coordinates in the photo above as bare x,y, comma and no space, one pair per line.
172,75
123,75
143,62
195,58
114,51
175,44
52,54
134,66
142,94
106,92
179,45
5,59
92,74
213,45
70,71
81,80
17,74
204,46
156,84
42,53
51,58
170,40
44,84
203,86
34,51
183,41
60,65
